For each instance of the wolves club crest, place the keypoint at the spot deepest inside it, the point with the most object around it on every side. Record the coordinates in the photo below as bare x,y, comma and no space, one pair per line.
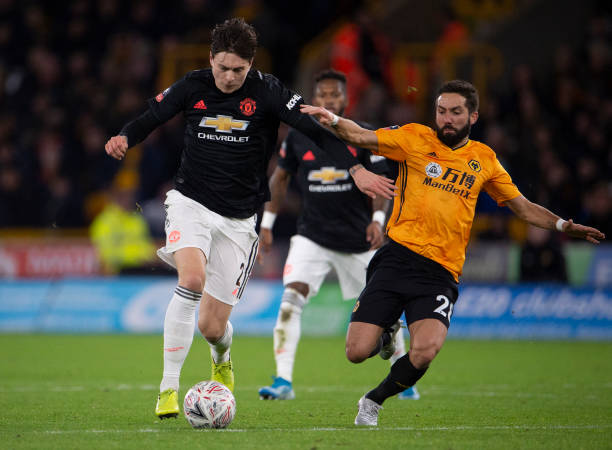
474,165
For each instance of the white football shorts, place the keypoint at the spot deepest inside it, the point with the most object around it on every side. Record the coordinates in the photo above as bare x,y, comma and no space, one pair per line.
309,262
230,245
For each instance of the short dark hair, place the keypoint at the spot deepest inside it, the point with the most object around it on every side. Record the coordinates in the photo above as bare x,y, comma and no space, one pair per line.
234,36
330,74
463,88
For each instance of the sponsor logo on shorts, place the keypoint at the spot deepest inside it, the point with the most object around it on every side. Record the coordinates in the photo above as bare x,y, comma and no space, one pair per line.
174,236
356,306
287,270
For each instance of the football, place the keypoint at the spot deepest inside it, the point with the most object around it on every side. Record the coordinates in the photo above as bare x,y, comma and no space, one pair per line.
209,404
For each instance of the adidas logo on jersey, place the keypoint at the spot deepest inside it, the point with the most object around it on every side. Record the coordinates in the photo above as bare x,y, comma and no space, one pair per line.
200,105
308,156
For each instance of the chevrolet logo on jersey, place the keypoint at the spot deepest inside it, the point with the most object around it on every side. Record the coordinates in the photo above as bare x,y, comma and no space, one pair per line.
327,175
224,124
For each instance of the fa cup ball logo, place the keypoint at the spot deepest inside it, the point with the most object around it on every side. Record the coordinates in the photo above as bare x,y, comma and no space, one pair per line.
433,170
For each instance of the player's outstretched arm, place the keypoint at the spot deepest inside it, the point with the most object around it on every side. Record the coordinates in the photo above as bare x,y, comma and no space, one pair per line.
541,217
346,129
131,134
369,183
279,181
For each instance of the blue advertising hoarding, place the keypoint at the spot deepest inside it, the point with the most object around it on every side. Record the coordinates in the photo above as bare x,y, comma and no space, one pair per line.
138,305
533,311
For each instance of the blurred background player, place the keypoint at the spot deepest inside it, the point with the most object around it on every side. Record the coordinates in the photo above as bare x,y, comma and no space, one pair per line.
339,228
232,115
417,272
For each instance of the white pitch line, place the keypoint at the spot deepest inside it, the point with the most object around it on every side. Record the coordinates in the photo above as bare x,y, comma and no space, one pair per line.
299,430
433,391
141,430
486,390
65,388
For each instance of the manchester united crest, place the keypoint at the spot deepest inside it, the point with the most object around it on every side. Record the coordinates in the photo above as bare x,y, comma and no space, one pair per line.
247,106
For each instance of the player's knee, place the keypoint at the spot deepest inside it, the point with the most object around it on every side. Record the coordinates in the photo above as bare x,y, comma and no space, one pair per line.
300,287
286,313
423,353
292,304
356,352
211,331
192,280
211,336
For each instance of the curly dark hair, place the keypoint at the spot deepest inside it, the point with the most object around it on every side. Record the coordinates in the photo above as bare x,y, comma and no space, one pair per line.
234,36
463,88
330,74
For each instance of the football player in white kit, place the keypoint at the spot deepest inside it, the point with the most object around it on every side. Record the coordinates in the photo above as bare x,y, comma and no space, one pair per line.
232,114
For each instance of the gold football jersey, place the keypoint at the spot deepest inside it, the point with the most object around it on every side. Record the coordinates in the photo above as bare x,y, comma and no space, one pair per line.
437,191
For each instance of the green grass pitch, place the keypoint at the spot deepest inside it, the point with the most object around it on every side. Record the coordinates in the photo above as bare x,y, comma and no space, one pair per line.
95,392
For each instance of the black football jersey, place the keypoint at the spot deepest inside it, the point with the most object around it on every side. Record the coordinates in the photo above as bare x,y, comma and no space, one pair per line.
230,138
335,212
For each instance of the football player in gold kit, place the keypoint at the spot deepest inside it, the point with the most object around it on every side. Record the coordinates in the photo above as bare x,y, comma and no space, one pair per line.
441,174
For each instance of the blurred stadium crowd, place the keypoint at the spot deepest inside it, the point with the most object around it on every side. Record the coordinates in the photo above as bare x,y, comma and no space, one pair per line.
72,73
554,134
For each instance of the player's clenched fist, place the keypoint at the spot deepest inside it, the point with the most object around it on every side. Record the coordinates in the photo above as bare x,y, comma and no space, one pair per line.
117,146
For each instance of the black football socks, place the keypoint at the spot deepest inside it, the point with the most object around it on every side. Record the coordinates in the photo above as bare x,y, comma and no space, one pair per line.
402,376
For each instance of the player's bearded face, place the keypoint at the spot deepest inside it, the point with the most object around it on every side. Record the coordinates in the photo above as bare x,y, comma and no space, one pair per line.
451,136
330,94
453,119
229,71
